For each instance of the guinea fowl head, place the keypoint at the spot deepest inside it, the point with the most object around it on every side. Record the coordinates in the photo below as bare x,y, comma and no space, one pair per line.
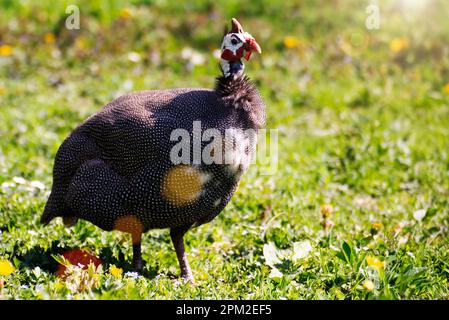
237,44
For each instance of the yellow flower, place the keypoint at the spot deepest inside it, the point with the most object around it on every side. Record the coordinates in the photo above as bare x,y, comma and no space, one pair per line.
115,271
399,44
49,37
368,285
125,13
6,50
59,286
6,268
291,42
446,88
326,210
80,43
2,90
375,227
374,262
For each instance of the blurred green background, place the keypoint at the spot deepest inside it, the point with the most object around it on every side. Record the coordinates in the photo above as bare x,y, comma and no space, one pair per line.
358,206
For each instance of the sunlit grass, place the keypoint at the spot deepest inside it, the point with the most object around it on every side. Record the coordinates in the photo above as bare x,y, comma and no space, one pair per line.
358,207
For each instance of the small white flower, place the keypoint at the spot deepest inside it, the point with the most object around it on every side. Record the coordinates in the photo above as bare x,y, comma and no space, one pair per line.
39,287
419,214
301,249
275,274
134,275
37,184
7,185
197,58
186,53
128,85
192,56
217,54
134,57
19,180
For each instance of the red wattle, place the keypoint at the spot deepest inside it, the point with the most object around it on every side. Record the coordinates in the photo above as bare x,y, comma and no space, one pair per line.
228,55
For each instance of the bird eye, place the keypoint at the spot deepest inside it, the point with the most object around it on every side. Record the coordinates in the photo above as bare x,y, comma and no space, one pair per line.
234,41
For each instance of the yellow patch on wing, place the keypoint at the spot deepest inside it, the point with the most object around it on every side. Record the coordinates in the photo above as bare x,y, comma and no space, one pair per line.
182,185
130,224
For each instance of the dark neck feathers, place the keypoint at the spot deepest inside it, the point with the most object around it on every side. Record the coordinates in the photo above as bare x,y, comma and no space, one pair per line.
239,92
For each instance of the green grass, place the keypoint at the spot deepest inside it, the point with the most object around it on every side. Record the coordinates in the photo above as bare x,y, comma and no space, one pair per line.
361,127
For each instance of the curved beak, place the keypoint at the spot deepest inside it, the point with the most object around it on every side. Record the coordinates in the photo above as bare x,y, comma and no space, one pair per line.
250,46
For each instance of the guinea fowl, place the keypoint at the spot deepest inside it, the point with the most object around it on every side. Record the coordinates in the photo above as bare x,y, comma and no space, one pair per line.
125,168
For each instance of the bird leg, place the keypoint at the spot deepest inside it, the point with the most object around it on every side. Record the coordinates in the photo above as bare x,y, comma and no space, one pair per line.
137,251
131,224
177,237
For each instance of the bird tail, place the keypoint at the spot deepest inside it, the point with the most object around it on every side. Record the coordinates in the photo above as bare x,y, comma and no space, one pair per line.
50,211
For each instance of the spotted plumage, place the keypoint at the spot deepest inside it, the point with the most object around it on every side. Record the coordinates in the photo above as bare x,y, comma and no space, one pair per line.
116,171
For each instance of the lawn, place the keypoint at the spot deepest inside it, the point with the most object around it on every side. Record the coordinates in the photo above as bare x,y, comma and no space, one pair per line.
358,205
